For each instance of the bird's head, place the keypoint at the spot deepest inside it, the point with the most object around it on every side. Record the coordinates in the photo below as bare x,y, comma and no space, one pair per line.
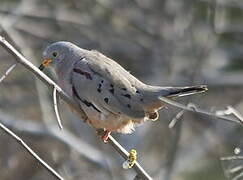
56,53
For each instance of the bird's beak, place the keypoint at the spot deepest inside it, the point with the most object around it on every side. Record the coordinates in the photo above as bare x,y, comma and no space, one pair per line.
45,63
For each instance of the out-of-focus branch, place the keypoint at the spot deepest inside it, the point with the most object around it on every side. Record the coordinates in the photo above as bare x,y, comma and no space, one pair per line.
229,158
7,72
64,136
177,118
32,153
40,75
235,171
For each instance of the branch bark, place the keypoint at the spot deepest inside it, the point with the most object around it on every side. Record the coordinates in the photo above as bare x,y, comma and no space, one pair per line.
51,84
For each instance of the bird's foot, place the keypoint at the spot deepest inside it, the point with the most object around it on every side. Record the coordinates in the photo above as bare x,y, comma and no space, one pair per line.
104,134
131,160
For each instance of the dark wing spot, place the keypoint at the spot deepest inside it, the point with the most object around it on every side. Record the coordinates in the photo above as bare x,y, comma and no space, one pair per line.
112,85
129,106
99,88
137,92
127,95
106,100
124,89
112,91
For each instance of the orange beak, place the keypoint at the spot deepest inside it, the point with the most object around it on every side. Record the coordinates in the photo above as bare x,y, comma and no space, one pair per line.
45,63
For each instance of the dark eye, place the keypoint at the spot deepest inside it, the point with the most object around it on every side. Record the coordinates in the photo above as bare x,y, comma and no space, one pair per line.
54,54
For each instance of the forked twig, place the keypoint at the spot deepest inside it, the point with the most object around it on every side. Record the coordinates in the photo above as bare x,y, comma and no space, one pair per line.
219,114
199,110
231,110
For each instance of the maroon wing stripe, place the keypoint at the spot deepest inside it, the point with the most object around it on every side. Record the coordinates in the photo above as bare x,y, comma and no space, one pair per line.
83,73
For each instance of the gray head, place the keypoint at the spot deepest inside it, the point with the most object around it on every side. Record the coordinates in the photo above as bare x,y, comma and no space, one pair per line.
57,53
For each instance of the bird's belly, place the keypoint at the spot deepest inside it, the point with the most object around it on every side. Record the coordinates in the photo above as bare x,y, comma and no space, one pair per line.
107,120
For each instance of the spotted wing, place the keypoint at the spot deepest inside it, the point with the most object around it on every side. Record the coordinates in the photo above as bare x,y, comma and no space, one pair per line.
104,87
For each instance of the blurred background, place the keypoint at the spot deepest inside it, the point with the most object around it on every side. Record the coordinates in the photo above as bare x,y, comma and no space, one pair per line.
162,42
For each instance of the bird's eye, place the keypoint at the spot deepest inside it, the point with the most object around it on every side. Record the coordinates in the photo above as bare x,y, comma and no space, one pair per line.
54,54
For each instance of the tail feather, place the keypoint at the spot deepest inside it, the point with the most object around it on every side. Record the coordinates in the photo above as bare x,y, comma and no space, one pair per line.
185,91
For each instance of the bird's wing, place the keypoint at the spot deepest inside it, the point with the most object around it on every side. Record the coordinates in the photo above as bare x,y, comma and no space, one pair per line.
110,69
109,87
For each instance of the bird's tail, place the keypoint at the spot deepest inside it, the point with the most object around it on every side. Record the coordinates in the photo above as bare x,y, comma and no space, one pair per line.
155,96
184,91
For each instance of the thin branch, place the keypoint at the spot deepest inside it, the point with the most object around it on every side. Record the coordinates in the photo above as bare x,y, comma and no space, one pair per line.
32,153
236,169
229,158
232,110
40,75
56,108
199,110
178,117
238,176
143,174
44,78
29,127
7,72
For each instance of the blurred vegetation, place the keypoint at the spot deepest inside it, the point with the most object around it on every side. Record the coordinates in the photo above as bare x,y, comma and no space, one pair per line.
165,42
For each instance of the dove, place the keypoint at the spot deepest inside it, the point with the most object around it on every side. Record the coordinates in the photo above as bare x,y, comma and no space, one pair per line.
112,98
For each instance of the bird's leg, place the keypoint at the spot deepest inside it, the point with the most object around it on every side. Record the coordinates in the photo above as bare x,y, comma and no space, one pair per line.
104,134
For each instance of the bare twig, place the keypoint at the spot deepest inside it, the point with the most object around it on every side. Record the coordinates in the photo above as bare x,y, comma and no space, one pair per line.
229,158
176,119
239,176
56,108
236,169
231,110
124,154
22,143
200,111
7,72
87,151
40,75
